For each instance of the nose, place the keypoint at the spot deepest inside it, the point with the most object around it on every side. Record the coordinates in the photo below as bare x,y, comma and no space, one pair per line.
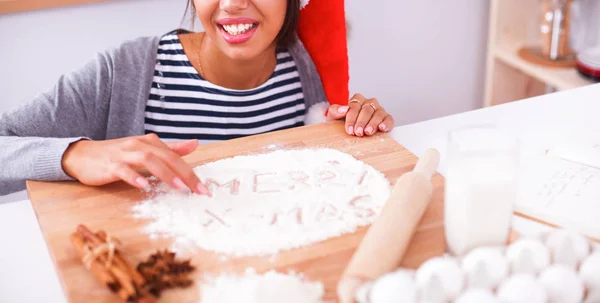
233,6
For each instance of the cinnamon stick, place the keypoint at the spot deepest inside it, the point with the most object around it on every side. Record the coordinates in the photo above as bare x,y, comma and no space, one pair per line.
97,269
138,279
119,271
130,283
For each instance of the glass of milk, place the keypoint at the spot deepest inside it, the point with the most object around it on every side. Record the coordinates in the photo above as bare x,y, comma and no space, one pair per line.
481,187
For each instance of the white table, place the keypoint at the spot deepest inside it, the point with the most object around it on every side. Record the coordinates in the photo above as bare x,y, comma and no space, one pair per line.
26,263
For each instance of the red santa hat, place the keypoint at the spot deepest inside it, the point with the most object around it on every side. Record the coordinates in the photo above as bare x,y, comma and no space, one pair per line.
322,30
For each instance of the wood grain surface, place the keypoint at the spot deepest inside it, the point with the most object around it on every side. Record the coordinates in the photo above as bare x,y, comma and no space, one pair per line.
60,207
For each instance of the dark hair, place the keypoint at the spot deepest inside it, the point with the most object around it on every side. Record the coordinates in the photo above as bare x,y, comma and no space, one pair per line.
288,29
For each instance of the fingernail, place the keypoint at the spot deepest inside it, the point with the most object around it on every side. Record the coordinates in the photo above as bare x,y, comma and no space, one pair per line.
369,130
382,126
359,131
178,183
350,130
142,182
203,190
343,109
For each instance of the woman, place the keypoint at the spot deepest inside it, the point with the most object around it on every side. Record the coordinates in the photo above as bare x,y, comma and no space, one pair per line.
150,101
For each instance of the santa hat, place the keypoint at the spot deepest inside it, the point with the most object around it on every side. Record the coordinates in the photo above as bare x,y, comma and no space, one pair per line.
322,30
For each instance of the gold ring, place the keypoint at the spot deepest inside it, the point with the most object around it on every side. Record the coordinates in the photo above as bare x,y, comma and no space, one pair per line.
354,100
372,105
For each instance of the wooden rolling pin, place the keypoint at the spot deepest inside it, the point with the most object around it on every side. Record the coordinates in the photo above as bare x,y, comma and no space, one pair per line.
386,241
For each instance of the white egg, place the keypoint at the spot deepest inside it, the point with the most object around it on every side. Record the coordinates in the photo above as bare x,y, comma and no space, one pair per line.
477,295
527,256
394,287
522,288
567,247
562,284
590,272
362,292
485,267
432,291
447,270
592,296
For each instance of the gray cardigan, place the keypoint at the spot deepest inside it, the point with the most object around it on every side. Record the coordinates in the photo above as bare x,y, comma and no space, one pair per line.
105,99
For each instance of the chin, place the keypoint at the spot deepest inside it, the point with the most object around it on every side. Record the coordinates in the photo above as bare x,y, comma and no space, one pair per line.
238,53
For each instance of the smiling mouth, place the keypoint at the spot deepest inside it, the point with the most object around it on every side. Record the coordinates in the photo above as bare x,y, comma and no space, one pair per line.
237,29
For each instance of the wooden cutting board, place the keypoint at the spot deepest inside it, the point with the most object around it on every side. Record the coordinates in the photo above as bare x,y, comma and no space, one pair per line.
60,207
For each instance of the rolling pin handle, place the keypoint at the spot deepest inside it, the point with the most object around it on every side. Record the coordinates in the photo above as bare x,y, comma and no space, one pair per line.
428,163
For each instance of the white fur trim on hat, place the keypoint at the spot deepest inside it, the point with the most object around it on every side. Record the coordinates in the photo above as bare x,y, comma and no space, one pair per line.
316,113
303,3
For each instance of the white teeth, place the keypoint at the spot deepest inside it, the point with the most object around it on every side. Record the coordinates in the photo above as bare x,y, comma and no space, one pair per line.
236,29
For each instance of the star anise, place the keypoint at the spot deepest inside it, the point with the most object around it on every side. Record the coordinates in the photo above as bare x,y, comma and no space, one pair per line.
161,271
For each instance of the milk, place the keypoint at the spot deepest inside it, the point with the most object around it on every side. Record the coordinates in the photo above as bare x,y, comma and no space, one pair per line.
480,192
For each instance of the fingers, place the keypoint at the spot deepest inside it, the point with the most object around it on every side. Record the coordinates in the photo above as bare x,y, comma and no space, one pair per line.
184,171
166,164
387,124
337,112
127,174
155,165
183,148
354,105
375,122
365,115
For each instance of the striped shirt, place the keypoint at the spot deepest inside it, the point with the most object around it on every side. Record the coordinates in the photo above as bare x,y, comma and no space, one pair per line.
183,105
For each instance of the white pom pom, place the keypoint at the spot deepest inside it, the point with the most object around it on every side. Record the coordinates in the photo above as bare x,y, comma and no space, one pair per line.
522,288
303,3
485,267
562,284
316,113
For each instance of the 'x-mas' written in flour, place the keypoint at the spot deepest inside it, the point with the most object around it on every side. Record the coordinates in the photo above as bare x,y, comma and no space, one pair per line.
264,203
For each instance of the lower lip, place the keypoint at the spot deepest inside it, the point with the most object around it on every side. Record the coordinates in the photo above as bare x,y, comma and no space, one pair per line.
240,38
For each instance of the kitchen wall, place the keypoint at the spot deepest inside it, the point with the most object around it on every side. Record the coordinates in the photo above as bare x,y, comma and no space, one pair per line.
421,59
37,47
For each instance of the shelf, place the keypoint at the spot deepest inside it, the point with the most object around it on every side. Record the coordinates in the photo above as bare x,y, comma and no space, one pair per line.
559,78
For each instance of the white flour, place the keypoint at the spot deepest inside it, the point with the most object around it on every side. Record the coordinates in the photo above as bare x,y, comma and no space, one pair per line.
269,202
271,287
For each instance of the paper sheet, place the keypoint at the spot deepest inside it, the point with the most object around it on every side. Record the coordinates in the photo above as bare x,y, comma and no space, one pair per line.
560,192
581,148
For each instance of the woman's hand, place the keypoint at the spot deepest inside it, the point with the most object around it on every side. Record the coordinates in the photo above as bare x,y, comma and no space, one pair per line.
102,162
363,116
